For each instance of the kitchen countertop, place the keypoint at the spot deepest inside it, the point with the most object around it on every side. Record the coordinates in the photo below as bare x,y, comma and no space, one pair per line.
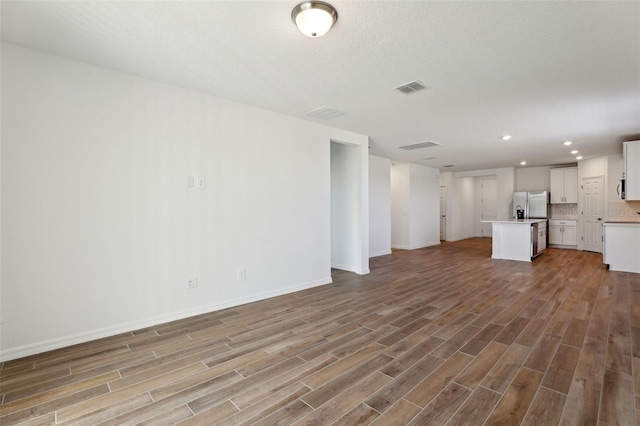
622,222
515,221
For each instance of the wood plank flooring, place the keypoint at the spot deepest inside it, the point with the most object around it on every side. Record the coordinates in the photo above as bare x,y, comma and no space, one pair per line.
441,335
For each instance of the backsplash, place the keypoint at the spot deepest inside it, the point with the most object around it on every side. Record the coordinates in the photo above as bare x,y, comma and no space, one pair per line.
564,211
624,210
617,210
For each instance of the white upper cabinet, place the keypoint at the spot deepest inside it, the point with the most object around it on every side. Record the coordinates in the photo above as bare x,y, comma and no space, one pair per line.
632,170
564,186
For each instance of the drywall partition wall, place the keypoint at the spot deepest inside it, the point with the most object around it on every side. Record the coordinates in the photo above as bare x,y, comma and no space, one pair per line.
425,206
466,213
415,206
460,206
345,190
533,179
505,182
447,180
400,205
482,206
99,229
379,206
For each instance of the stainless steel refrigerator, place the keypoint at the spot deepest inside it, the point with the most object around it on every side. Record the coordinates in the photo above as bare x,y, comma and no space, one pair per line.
532,205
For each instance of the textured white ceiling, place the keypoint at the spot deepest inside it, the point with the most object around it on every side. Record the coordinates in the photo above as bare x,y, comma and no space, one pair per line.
544,72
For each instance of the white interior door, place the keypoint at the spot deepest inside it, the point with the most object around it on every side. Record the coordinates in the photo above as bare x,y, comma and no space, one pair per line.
489,207
592,213
443,213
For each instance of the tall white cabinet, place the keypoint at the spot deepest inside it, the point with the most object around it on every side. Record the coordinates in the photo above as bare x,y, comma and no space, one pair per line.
564,186
631,152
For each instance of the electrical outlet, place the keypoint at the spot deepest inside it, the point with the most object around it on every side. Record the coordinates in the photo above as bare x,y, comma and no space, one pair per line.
242,274
201,182
192,282
191,181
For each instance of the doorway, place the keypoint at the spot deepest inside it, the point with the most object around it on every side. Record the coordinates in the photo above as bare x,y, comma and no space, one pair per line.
592,213
443,213
486,205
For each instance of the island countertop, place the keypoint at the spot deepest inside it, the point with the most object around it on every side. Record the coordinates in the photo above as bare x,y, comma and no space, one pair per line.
515,221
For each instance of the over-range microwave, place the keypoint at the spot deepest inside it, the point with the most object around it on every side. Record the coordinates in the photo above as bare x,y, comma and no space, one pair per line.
620,189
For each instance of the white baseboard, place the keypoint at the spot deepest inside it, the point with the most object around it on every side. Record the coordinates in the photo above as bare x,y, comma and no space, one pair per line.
382,253
457,239
358,271
61,342
416,246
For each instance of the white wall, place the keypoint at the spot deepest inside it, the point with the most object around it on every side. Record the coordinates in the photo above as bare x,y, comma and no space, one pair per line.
466,214
345,190
460,206
400,205
506,184
478,202
533,179
425,206
99,230
591,168
379,206
415,206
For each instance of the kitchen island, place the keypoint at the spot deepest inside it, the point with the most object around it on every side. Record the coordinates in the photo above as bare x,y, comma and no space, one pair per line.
518,239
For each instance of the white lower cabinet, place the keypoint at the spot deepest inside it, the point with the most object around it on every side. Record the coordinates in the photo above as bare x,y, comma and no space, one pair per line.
563,232
542,236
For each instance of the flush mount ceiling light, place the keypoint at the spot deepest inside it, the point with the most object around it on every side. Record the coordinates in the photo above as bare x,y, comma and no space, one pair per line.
314,18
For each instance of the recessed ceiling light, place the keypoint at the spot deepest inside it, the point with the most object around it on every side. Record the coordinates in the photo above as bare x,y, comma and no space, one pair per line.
574,152
579,157
567,143
523,163
506,137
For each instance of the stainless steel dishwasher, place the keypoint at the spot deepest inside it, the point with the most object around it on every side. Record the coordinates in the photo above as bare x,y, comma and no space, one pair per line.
534,240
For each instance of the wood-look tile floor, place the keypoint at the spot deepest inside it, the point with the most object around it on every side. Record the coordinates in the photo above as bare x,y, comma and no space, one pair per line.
442,335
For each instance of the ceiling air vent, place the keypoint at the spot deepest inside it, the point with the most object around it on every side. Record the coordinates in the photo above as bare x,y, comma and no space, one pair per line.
324,113
411,87
419,145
